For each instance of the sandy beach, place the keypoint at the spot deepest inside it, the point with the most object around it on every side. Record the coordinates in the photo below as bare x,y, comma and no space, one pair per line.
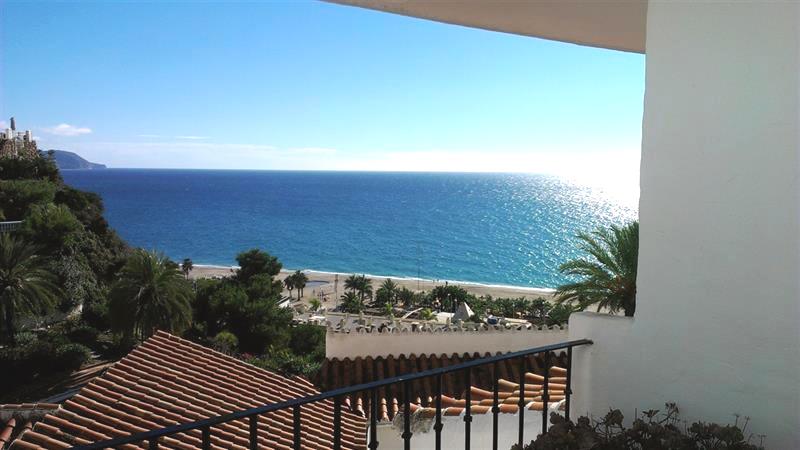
324,283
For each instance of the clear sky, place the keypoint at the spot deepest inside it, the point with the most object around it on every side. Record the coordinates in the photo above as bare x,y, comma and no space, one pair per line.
311,85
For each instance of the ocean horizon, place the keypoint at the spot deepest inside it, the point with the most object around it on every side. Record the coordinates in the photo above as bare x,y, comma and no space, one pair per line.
505,229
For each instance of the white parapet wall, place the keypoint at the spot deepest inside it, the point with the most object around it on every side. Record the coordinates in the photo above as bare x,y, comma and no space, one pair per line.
353,343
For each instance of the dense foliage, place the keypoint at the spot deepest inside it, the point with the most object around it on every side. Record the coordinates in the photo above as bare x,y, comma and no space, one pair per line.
358,288
241,315
151,293
67,227
26,286
607,275
72,289
655,430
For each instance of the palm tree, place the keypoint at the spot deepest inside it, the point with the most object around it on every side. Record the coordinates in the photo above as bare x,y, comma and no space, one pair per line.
300,280
26,285
351,283
150,293
390,287
352,303
426,314
315,304
608,274
359,284
289,283
187,267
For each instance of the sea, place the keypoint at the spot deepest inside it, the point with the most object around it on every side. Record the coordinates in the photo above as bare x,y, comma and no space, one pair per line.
497,229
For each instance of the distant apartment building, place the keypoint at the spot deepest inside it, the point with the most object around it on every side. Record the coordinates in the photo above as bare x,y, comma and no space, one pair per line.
17,144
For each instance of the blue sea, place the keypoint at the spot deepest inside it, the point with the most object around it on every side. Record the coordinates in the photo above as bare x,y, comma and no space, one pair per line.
509,229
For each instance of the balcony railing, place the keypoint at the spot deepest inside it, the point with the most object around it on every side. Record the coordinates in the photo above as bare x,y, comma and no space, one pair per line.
6,227
337,395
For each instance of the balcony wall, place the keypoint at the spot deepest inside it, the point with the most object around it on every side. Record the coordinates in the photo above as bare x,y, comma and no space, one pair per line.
717,324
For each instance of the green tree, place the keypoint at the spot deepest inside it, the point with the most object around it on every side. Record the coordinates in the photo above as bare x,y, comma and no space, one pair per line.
52,227
26,285
300,280
386,293
608,272
406,297
426,314
351,283
186,267
352,303
315,304
359,284
149,294
289,283
254,262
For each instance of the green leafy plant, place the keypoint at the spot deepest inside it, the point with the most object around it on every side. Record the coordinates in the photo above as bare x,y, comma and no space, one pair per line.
150,294
654,430
27,286
607,275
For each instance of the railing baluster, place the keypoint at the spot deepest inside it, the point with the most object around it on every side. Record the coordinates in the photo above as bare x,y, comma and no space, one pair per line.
406,417
296,426
545,391
206,438
568,392
495,407
523,367
468,412
254,432
337,423
153,444
373,421
438,426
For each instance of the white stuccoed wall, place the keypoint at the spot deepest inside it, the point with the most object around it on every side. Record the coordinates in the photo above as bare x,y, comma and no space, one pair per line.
717,326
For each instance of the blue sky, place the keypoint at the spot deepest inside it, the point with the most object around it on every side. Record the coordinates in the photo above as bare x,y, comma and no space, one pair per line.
311,85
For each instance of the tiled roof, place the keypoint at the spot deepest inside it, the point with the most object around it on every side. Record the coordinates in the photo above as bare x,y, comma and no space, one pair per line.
507,398
16,418
336,373
168,381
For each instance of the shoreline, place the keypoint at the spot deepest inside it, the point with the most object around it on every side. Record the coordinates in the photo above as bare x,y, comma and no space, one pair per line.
324,282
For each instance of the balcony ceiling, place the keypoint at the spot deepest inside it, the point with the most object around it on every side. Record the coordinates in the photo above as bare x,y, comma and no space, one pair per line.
613,24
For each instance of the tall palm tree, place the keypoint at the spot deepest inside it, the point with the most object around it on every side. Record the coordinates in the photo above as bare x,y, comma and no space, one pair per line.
150,293
351,283
186,267
289,283
300,280
608,273
26,285
359,284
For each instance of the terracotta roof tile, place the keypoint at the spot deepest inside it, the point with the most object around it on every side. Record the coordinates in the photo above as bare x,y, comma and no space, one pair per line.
167,381
336,373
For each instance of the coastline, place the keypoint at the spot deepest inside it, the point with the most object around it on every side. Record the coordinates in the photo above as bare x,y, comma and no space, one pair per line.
322,281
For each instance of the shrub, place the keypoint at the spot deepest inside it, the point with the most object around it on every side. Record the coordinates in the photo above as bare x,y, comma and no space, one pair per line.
559,314
655,430
83,334
225,342
287,363
307,340
71,356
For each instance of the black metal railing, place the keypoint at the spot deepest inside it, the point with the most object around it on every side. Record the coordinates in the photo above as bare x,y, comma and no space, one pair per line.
337,395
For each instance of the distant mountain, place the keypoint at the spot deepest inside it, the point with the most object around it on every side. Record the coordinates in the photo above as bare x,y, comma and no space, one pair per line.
70,160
